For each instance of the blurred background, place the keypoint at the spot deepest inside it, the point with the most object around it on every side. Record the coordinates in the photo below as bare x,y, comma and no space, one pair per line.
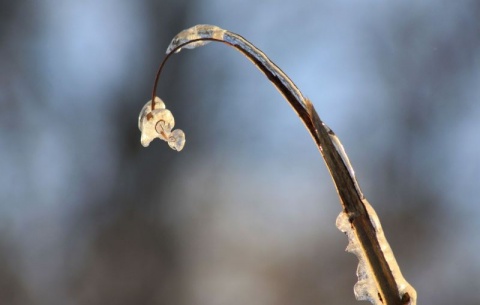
245,214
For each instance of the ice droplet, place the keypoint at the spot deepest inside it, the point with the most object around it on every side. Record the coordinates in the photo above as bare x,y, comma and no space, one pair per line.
158,123
365,288
193,33
177,140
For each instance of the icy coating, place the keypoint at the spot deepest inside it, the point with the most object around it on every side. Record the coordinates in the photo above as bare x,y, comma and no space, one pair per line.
193,33
252,52
341,150
366,287
159,124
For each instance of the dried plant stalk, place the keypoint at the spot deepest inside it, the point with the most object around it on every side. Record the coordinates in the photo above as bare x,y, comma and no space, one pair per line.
379,278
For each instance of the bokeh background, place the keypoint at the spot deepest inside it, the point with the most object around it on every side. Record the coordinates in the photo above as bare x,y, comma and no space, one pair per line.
246,213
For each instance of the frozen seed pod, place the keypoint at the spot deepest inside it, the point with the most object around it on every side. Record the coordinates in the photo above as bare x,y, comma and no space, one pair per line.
158,123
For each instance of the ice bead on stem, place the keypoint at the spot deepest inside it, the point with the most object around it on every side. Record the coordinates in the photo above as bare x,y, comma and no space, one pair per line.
158,123
193,33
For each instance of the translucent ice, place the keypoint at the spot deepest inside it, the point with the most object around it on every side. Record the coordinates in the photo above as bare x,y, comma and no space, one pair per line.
366,286
148,106
194,33
164,122
158,123
365,289
341,150
402,284
177,140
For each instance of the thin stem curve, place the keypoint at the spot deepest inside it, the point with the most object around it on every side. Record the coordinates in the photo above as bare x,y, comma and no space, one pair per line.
165,59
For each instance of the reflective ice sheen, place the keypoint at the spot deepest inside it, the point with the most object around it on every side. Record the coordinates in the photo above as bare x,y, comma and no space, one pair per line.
158,123
193,33
402,284
341,150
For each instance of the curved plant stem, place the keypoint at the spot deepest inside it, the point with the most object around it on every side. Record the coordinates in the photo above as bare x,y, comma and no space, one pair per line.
354,205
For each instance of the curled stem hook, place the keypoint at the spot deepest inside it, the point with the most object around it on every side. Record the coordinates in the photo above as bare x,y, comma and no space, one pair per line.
167,56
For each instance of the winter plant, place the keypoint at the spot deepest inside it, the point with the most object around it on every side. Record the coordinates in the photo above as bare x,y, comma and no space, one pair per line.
380,280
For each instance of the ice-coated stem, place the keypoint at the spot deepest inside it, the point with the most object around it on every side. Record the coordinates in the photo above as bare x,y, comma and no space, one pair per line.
380,279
